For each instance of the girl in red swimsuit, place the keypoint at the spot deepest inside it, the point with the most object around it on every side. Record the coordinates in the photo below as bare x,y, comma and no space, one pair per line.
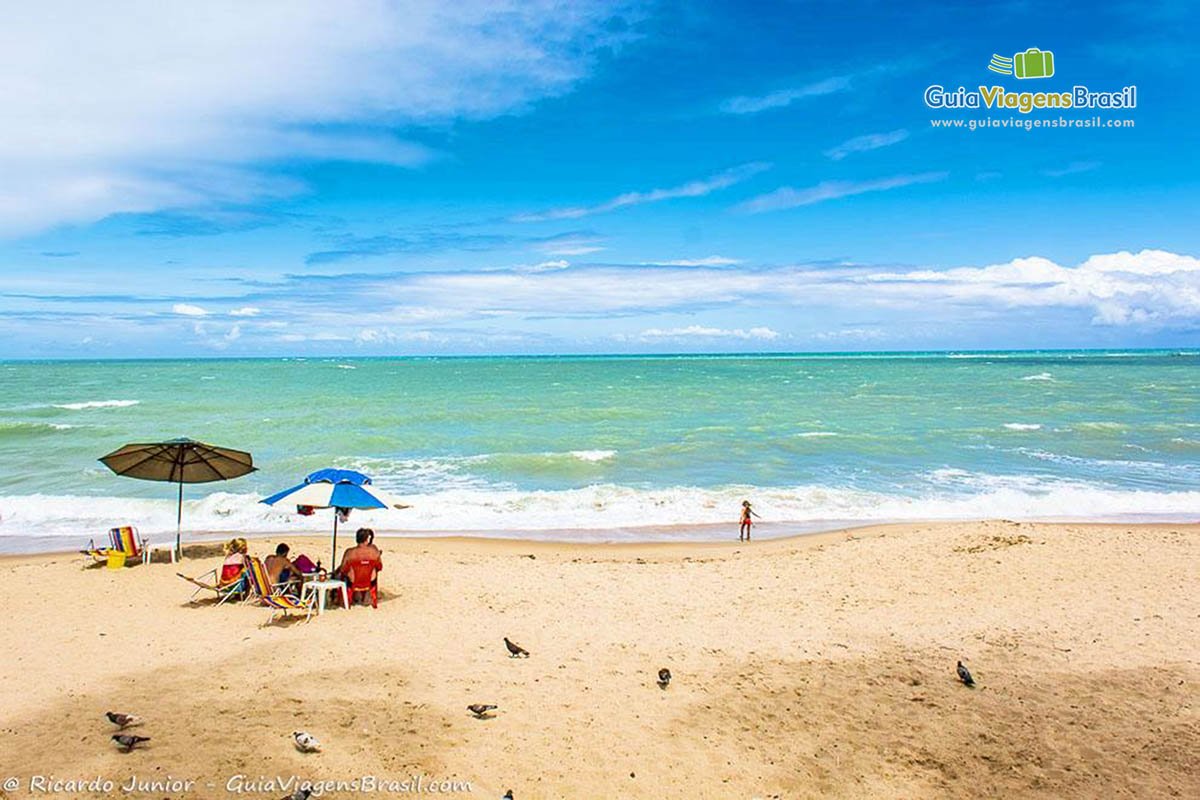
744,527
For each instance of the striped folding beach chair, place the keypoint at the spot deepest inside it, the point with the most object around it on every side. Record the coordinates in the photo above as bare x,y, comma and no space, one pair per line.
211,581
274,597
121,540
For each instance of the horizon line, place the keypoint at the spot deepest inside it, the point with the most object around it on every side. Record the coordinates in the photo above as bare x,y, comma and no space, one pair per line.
715,354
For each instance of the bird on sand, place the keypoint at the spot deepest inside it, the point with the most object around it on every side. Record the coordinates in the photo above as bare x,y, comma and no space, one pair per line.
127,742
481,710
964,675
515,650
306,742
507,795
123,721
664,678
302,793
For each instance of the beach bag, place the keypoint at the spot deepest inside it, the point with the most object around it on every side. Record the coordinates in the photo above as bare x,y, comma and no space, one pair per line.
304,564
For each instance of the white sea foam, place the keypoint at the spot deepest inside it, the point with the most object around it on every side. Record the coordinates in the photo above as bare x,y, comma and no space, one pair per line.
1022,426
98,404
593,455
815,434
346,366
952,494
36,426
1041,376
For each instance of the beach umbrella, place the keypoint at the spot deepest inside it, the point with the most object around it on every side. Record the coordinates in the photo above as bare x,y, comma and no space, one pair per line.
179,461
342,489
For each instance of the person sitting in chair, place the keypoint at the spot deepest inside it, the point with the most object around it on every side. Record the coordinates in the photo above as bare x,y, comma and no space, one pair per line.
280,568
364,555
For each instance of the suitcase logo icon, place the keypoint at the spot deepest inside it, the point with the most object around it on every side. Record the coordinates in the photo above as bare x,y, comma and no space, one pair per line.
1033,63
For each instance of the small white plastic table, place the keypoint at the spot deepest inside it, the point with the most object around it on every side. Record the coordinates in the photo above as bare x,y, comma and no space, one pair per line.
321,587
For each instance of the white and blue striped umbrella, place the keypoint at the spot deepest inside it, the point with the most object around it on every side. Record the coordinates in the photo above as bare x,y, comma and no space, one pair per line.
335,488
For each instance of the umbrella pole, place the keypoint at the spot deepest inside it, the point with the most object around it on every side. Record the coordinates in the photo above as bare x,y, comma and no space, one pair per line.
333,557
178,525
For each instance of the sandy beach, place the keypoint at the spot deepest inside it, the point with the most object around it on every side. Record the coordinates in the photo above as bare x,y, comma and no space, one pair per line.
815,666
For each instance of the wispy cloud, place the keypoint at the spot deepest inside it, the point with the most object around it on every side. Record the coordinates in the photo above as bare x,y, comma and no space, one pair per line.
870,141
1073,168
355,247
788,197
241,87
571,243
245,311
697,188
707,261
1140,293
753,104
700,331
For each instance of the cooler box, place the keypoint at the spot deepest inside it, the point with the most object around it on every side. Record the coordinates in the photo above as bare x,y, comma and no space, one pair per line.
116,560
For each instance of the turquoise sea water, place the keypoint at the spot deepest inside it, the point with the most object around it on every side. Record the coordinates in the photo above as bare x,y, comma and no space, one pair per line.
597,445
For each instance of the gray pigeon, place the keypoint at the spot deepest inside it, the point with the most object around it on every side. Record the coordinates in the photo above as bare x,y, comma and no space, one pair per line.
123,721
964,675
515,650
480,710
300,794
127,742
664,678
507,795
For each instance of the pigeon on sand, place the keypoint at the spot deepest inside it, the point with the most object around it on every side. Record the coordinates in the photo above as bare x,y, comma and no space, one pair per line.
480,710
123,721
515,650
127,742
964,675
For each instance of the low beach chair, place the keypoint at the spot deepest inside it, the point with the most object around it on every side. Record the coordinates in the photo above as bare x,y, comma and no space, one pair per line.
121,541
272,596
223,590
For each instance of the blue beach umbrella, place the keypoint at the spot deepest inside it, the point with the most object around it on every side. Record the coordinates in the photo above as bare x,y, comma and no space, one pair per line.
342,489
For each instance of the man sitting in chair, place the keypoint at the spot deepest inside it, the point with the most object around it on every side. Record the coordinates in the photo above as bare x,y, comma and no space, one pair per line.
280,568
363,556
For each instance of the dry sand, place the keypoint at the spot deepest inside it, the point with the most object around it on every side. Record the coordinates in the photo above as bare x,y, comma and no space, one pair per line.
808,667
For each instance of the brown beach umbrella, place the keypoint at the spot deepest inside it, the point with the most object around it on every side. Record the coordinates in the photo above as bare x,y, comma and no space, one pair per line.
179,461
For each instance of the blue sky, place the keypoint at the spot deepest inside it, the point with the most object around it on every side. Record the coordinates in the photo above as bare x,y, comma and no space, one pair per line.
379,178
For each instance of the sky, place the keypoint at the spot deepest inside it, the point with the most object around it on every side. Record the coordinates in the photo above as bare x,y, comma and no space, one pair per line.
410,178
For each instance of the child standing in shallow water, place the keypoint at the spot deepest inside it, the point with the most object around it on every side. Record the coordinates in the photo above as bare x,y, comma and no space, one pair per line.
744,527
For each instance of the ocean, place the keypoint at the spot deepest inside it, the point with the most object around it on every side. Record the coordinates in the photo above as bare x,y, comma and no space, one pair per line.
613,448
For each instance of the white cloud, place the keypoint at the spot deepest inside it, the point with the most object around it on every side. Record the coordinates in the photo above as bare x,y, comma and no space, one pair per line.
544,266
247,311
752,104
1138,292
369,336
697,188
788,197
189,310
870,141
708,261
700,331
1152,288
570,245
158,105
1073,168
852,335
